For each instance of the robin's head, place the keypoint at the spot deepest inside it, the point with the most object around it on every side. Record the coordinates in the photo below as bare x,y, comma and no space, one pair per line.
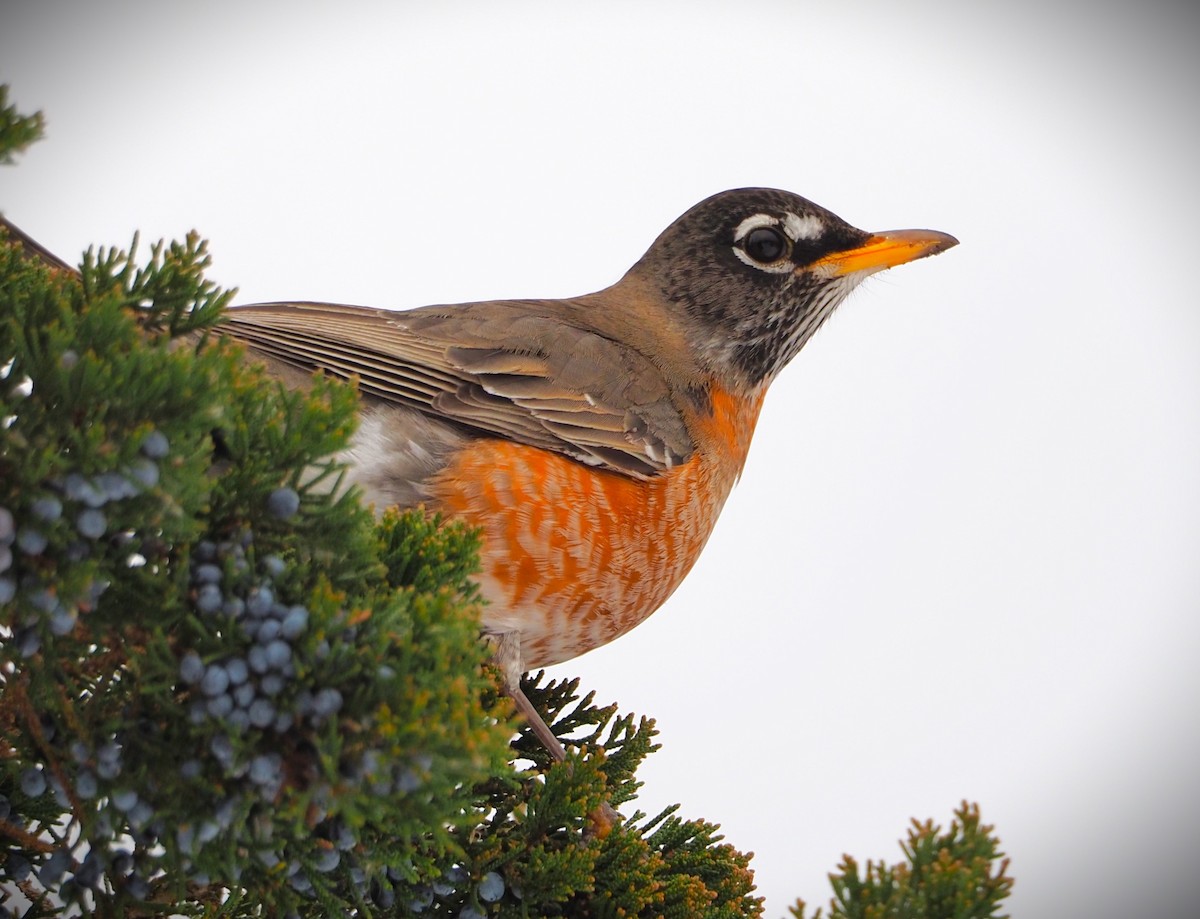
755,271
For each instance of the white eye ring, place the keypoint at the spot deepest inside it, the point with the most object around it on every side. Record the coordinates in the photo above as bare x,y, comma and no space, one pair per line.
783,266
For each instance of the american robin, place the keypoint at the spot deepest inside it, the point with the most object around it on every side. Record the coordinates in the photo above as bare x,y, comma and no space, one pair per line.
593,440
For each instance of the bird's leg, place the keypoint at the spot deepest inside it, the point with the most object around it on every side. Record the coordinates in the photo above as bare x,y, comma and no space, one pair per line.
506,652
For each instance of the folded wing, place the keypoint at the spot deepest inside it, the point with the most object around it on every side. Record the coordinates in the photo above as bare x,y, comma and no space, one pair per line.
504,369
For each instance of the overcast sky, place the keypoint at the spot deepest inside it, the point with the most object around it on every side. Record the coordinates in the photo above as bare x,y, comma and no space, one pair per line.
963,559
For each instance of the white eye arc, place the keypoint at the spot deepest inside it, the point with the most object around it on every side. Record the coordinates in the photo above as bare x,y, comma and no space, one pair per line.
803,229
753,223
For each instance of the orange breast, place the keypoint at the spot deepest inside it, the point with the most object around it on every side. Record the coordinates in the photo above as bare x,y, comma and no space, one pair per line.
574,556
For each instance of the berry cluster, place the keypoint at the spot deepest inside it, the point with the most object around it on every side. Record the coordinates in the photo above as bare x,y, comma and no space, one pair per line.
245,690
453,884
241,692
100,860
73,873
71,514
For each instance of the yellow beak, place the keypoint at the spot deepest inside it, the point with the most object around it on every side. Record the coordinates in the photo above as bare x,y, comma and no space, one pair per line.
886,250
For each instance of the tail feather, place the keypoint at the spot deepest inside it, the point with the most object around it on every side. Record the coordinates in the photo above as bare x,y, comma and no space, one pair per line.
34,249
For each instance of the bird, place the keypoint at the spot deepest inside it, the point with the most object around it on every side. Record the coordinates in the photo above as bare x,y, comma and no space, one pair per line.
592,440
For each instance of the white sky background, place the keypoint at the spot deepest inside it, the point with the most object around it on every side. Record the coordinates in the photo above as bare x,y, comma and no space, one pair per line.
963,560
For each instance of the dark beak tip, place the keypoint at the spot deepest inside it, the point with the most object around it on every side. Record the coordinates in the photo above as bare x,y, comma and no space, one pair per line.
949,242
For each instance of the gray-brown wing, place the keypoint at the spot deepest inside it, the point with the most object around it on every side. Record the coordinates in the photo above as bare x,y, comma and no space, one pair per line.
504,368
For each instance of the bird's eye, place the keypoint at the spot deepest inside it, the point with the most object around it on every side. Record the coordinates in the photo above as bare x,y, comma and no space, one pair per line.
765,244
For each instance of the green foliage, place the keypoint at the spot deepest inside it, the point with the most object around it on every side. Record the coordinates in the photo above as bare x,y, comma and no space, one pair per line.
542,837
17,131
210,683
959,874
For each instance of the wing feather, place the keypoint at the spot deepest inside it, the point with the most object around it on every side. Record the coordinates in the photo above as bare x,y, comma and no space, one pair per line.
505,369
